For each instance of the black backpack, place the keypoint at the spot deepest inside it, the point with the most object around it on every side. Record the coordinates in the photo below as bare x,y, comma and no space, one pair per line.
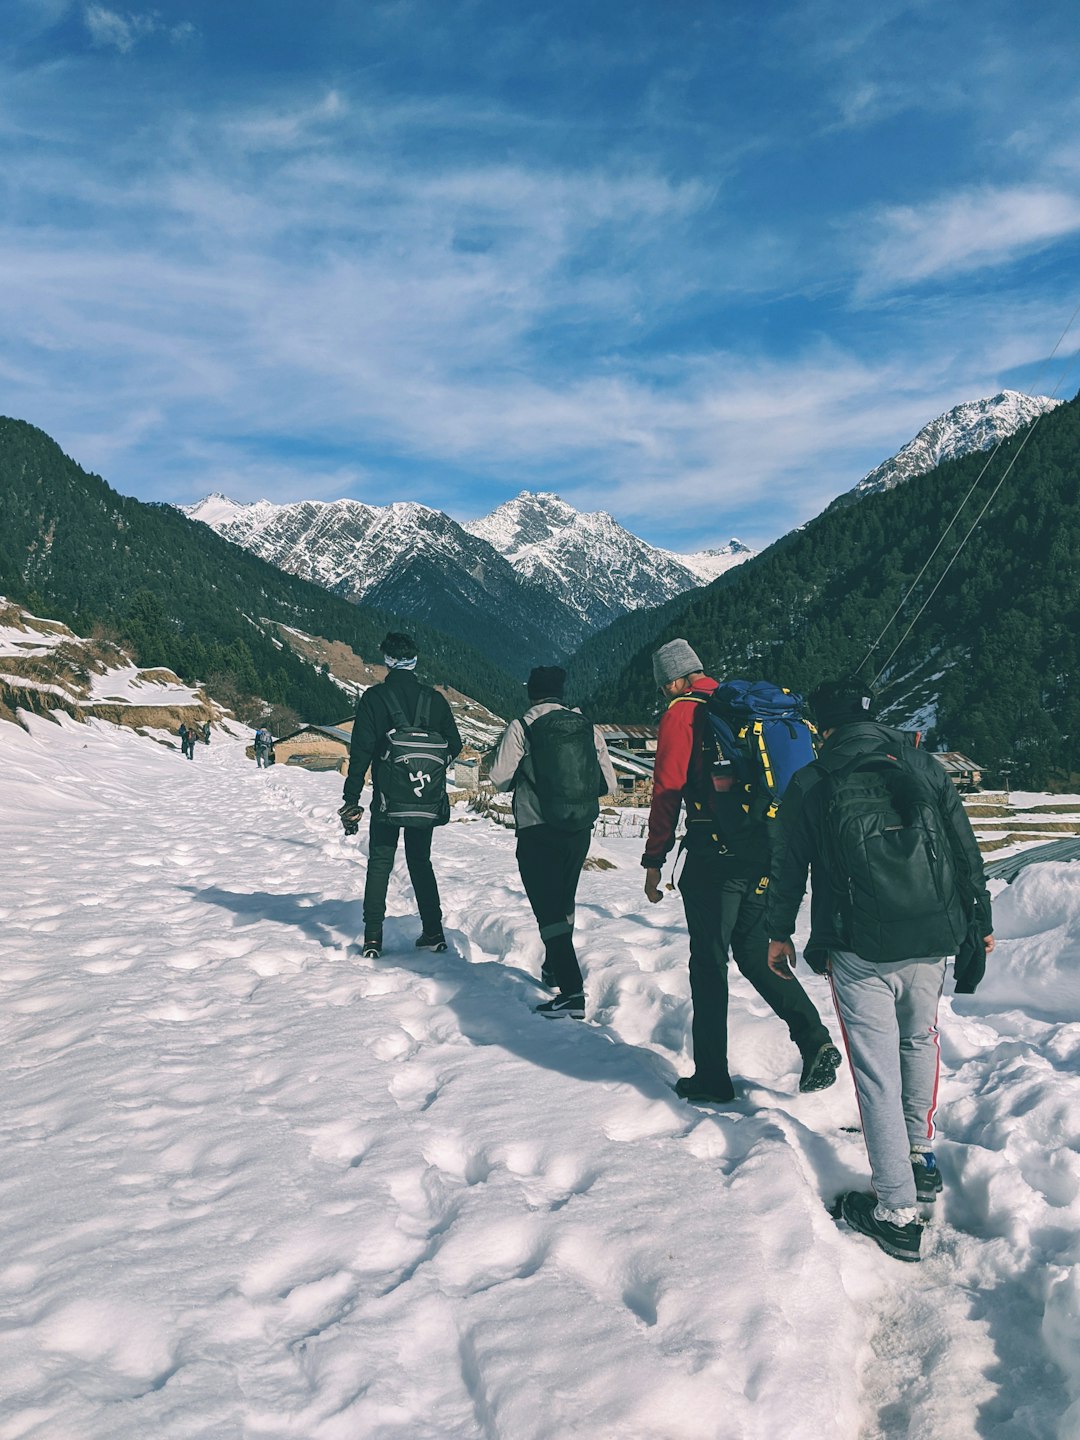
412,770
890,860
566,774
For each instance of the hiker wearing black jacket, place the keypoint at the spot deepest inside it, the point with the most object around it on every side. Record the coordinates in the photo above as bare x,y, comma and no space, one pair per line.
374,720
910,911
550,857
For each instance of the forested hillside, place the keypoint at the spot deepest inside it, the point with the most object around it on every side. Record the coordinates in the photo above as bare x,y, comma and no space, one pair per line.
996,652
178,595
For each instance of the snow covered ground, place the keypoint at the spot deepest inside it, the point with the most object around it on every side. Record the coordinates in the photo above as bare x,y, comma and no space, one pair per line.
255,1186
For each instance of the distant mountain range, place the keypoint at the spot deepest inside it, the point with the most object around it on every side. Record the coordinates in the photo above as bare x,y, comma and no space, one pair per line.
525,584
537,580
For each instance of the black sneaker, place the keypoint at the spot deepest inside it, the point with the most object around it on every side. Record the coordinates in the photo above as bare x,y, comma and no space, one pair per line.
704,1092
819,1069
928,1181
571,1005
372,949
547,977
435,943
900,1241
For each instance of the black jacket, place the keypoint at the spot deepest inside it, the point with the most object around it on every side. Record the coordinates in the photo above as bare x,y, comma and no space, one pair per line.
373,721
801,842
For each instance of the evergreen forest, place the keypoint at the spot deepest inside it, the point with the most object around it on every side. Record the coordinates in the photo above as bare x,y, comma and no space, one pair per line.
175,594
998,644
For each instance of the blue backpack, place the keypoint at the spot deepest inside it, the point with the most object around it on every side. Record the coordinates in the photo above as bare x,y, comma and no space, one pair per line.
761,732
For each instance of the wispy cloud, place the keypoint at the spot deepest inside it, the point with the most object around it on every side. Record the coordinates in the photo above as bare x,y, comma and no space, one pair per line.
970,231
111,29
330,281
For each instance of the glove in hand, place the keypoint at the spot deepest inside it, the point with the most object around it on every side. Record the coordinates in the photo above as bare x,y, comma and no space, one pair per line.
350,818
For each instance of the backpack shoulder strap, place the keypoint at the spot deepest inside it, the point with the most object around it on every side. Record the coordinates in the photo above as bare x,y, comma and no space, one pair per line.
423,708
397,712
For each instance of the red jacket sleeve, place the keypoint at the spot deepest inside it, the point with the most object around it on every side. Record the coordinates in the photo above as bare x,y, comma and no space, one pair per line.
674,752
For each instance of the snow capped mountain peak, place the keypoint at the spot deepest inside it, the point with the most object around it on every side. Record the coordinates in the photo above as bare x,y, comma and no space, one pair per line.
975,425
708,564
529,519
215,510
592,563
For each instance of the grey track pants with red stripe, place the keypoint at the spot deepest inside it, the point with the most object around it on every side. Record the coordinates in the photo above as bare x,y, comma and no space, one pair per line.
889,1018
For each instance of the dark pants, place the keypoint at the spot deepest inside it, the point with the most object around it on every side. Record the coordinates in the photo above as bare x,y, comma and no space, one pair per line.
382,847
724,915
550,863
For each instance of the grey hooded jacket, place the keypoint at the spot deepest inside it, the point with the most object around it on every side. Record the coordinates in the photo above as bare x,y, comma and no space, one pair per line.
511,768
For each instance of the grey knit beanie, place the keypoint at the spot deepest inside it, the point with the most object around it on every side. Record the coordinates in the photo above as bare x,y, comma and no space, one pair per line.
674,660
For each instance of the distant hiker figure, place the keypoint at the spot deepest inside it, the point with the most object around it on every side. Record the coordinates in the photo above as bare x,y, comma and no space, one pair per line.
405,733
726,859
263,744
187,740
206,733
896,879
556,763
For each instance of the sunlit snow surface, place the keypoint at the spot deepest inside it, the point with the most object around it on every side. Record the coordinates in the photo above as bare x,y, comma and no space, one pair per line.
254,1186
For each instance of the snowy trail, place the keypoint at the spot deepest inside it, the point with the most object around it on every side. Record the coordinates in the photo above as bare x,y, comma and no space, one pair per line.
256,1186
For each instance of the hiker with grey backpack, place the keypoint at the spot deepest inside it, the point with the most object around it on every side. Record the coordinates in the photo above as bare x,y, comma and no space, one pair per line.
557,765
404,732
896,880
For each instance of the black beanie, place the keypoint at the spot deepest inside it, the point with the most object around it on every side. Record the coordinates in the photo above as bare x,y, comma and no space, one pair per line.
839,702
546,682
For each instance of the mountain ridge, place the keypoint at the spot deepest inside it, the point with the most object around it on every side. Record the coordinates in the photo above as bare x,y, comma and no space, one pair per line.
528,583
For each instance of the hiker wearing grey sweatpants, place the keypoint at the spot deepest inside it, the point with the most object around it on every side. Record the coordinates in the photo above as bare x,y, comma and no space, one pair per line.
896,876
889,1019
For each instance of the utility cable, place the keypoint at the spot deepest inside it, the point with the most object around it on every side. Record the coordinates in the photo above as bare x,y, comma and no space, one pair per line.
959,509
956,552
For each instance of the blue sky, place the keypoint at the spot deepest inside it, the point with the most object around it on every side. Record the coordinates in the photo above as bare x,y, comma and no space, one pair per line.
702,264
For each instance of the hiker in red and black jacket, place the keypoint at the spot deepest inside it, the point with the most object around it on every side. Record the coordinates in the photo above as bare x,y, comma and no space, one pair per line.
721,885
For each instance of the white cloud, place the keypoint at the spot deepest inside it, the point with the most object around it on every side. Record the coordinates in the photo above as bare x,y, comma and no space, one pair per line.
292,274
969,231
111,29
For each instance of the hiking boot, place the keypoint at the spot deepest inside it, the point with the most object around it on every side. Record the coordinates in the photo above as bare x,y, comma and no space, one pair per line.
703,1092
819,1069
928,1181
900,1241
571,1005
435,942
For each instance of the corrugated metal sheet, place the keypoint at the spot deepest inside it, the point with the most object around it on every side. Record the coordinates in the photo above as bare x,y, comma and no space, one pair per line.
334,731
1010,867
632,763
955,763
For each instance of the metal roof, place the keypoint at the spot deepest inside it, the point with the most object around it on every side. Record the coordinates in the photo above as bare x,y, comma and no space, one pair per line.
637,732
955,763
334,731
1010,867
635,764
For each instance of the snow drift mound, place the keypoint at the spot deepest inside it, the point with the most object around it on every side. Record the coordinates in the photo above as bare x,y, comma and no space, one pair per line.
1041,908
